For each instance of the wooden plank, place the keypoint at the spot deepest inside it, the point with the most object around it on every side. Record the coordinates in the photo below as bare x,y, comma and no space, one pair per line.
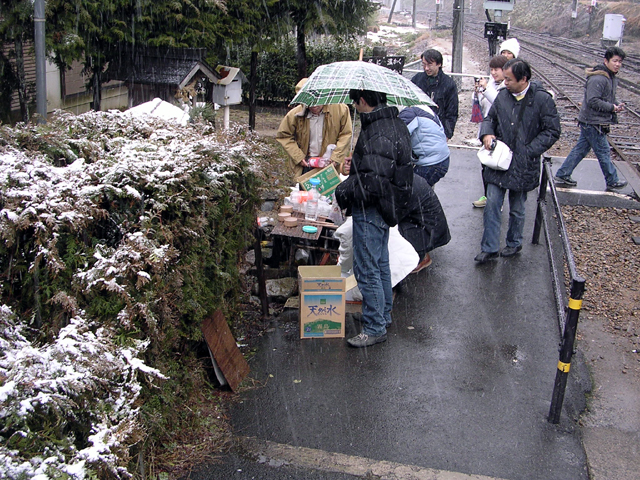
29,69
74,79
224,349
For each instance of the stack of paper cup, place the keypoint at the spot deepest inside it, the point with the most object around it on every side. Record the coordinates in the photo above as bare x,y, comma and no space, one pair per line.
283,216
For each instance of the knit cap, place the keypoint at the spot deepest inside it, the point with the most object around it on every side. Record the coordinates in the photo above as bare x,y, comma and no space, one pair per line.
512,45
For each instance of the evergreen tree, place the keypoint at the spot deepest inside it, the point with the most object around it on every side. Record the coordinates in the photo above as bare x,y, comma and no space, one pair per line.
343,18
8,84
258,24
98,31
89,31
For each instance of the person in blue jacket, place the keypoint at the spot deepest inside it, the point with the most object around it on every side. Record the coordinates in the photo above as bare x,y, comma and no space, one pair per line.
429,147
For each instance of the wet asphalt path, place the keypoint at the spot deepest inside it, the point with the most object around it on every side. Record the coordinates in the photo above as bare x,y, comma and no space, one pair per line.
461,389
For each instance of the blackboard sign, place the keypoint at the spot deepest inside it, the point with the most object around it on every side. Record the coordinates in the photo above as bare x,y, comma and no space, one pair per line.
395,63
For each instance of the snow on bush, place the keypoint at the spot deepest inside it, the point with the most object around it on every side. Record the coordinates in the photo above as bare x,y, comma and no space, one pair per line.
97,212
69,405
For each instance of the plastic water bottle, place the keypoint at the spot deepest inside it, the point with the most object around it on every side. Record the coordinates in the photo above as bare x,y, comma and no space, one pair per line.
311,212
316,162
264,221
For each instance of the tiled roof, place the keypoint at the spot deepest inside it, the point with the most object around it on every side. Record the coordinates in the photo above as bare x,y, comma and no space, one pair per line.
160,66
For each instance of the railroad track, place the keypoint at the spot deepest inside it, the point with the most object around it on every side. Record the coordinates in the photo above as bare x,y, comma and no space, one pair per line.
580,55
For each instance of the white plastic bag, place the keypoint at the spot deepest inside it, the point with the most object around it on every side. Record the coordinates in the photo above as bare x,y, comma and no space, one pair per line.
402,256
499,158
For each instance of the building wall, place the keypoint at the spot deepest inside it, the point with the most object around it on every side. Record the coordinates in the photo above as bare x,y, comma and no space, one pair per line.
68,91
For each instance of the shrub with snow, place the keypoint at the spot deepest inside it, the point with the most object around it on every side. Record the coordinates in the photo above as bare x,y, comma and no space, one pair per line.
120,235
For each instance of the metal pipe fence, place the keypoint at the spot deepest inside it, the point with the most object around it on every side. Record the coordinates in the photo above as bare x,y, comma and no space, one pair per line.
567,318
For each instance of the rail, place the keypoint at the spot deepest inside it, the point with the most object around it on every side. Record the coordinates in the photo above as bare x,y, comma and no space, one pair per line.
567,318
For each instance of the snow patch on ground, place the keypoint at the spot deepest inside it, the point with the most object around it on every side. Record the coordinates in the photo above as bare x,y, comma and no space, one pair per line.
160,109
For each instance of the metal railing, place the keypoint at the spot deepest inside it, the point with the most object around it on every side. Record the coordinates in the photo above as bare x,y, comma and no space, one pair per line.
411,68
567,319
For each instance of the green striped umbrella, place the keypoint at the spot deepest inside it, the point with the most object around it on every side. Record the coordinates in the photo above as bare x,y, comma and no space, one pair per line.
331,83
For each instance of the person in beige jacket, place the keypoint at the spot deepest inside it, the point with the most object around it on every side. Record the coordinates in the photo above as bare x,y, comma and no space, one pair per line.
297,133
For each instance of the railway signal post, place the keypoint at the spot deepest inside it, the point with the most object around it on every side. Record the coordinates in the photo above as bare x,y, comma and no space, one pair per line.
495,31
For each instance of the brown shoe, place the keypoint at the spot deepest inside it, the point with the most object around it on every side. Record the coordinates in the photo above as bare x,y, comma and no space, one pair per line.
426,261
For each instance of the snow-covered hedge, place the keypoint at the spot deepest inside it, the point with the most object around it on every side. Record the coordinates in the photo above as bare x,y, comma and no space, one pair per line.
119,236
68,405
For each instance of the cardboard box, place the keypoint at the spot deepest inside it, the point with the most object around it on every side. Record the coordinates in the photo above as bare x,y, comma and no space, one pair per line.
329,179
322,301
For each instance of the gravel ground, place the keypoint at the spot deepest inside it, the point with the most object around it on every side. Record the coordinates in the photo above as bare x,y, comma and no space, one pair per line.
609,260
607,338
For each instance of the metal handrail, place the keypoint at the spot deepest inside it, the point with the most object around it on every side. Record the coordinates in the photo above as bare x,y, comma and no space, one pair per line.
567,319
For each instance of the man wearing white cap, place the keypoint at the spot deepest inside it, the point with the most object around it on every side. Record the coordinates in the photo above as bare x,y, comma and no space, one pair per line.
510,48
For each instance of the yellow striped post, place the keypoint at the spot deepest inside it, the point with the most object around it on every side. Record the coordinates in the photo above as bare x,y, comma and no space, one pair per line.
566,348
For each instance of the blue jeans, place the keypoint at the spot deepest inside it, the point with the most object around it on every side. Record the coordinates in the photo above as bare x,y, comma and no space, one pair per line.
433,173
371,268
493,218
590,138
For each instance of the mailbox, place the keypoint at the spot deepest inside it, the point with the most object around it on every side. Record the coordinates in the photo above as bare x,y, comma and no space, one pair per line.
227,90
612,30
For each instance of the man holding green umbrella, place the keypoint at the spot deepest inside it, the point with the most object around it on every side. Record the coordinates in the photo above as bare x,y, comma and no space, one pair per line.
376,194
378,189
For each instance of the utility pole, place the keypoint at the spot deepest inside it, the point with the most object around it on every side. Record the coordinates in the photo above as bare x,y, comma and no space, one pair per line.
41,64
458,24
574,15
413,22
592,14
393,6
437,11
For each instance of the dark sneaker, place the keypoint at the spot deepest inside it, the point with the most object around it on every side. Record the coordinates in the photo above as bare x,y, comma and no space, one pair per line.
426,261
618,184
565,181
364,340
510,251
483,257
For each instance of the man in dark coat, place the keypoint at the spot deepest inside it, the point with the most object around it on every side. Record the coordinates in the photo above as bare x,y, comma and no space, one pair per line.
599,110
528,134
376,195
440,87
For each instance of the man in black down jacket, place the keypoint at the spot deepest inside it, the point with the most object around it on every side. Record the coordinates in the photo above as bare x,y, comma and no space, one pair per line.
528,138
376,195
440,87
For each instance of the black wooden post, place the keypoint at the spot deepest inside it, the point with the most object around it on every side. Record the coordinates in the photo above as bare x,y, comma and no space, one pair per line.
566,349
262,287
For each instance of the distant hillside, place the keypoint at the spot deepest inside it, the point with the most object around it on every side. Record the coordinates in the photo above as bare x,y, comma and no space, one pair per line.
554,16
